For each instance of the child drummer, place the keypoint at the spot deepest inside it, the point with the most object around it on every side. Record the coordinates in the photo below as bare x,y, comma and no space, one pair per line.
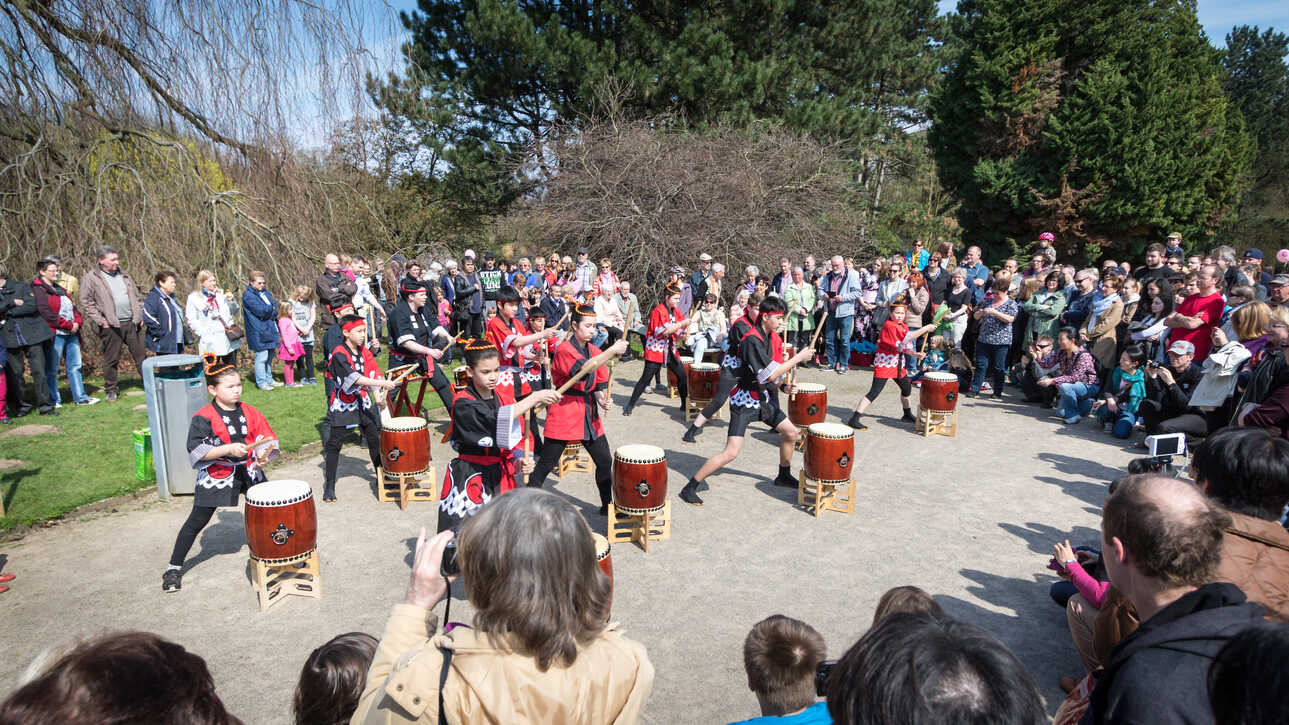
576,418
487,433
228,442
894,342
515,345
753,400
352,370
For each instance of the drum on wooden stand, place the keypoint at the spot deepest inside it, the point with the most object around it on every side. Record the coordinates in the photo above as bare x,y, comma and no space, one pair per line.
281,521
939,392
405,446
605,561
809,405
788,351
460,379
703,378
830,452
685,362
639,478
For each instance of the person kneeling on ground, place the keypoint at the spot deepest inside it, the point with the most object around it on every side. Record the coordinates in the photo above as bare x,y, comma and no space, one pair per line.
1030,370
1166,408
540,649
1121,398
781,656
1076,382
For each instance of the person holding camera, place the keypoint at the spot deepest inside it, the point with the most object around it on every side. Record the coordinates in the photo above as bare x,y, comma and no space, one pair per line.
783,658
1166,408
539,650
1029,371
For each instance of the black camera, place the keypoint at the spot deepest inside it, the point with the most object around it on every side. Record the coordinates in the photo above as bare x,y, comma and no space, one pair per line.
1151,464
1152,364
449,566
822,672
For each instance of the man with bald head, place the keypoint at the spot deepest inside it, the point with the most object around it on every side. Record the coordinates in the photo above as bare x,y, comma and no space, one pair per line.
334,290
1161,541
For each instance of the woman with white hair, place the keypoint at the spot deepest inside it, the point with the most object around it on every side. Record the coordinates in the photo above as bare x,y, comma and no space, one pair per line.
749,282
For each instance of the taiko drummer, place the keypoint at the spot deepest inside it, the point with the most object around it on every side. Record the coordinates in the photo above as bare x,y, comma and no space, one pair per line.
753,399
888,364
353,371
228,441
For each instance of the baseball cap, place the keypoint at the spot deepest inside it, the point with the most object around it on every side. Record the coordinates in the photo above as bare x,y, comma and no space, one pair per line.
704,257
469,253
583,250
1254,253
1280,279
1174,235
1182,347
487,256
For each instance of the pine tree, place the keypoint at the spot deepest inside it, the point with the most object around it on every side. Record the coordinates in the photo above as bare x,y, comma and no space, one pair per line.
1104,122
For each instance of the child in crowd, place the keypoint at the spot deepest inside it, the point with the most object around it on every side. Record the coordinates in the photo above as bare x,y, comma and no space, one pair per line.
781,656
1118,404
304,313
442,308
333,679
935,358
228,444
290,349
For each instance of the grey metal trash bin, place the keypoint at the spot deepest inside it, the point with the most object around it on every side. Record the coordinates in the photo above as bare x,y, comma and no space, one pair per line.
175,388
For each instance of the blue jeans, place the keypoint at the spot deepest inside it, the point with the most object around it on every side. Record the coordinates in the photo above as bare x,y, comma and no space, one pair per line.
1122,421
264,368
1076,399
837,340
987,354
69,346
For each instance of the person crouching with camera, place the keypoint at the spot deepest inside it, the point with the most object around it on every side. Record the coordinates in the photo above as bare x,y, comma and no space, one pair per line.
539,649
782,657
1166,408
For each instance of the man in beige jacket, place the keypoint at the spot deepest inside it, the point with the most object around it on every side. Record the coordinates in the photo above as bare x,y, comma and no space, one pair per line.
110,300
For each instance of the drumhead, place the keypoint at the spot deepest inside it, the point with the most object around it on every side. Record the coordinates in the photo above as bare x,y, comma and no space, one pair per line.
278,493
639,453
685,359
704,366
831,430
404,423
601,546
811,387
941,376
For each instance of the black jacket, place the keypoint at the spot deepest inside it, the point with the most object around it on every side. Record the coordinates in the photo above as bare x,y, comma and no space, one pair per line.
21,324
1175,399
1159,674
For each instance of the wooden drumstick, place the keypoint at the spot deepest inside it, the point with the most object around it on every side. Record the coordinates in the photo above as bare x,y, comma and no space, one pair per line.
580,374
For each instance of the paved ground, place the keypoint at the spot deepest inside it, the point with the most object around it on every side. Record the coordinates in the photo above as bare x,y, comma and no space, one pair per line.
970,519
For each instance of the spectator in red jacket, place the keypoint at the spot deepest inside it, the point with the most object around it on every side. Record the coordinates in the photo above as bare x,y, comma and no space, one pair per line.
55,305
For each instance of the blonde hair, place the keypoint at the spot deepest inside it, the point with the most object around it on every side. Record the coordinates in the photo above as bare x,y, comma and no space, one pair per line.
1029,287
204,275
284,309
303,293
937,342
1251,320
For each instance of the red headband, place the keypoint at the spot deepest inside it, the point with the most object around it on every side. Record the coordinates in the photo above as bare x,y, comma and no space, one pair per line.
352,324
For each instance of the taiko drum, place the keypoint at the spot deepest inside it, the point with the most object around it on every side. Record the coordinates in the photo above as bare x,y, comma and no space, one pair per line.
281,521
939,392
460,379
703,378
809,405
685,361
605,561
639,478
830,452
405,445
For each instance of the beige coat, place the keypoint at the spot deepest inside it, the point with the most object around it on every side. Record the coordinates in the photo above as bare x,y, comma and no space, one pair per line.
96,297
608,683
1255,558
1103,338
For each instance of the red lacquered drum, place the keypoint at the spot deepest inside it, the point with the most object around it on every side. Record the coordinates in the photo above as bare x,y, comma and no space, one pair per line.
809,405
460,379
281,522
939,392
703,378
788,351
671,377
830,451
405,445
639,478
605,560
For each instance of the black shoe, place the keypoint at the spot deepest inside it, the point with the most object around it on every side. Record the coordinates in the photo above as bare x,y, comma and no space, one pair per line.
604,509
24,411
171,580
972,394
855,422
690,434
785,481
689,494
51,411
997,396
908,417
626,411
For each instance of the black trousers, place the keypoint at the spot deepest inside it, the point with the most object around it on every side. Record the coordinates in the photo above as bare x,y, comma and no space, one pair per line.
368,429
723,387
1034,393
652,370
304,363
600,456
33,355
1158,420
196,521
906,388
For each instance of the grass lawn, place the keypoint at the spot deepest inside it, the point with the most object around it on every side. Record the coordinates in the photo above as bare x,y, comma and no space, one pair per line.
91,457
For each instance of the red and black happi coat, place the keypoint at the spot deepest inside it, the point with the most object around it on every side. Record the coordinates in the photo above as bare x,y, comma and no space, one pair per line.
576,417
349,400
485,435
221,480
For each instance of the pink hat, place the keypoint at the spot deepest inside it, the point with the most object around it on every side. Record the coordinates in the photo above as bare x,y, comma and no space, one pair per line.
1047,236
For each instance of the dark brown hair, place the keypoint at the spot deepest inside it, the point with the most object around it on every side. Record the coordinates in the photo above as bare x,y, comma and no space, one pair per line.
781,655
905,600
528,561
1178,543
333,679
120,677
